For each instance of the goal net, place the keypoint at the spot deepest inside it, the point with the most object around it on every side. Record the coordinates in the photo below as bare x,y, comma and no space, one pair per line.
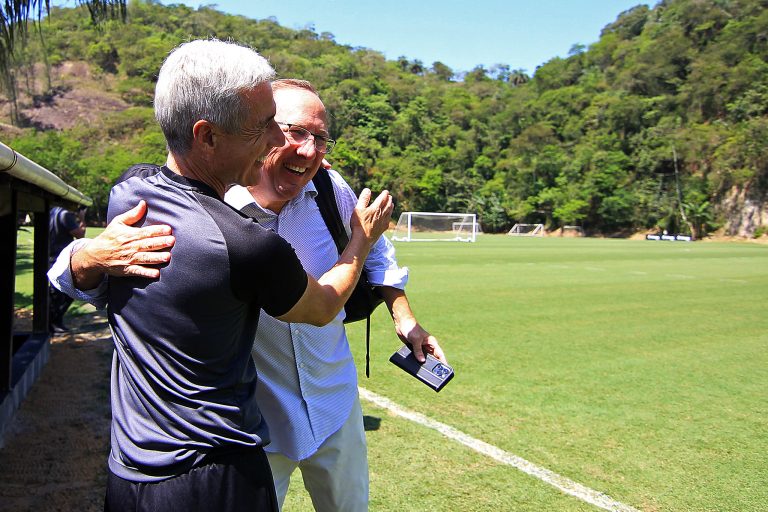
527,230
571,231
435,227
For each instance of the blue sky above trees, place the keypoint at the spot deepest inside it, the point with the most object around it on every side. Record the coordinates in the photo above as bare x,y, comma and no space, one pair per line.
519,33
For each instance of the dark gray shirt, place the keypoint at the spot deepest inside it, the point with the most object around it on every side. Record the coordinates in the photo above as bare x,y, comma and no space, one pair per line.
61,223
183,381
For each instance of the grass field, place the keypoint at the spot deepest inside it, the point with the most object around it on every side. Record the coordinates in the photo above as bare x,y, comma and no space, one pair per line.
638,369
23,293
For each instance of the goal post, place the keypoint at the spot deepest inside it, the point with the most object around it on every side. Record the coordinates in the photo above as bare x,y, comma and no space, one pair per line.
435,227
527,230
572,231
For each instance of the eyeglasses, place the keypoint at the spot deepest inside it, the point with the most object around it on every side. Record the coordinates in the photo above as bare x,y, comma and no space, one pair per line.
299,135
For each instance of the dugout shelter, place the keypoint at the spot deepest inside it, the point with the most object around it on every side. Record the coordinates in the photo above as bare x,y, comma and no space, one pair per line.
26,188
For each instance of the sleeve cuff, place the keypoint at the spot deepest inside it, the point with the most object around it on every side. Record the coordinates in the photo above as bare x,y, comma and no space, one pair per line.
395,277
60,277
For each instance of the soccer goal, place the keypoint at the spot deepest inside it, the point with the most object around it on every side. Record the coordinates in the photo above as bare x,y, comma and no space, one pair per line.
572,231
527,230
436,227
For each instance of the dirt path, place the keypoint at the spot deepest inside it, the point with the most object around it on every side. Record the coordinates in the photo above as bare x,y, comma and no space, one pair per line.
55,452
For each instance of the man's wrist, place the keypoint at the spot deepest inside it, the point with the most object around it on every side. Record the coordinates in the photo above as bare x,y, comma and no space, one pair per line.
86,274
361,245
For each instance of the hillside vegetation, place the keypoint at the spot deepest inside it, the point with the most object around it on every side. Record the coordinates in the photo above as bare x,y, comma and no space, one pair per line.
661,124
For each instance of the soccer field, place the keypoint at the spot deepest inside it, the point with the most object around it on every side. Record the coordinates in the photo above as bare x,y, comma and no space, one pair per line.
638,369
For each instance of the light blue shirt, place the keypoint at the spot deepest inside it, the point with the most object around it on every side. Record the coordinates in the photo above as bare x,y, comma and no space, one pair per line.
307,377
308,380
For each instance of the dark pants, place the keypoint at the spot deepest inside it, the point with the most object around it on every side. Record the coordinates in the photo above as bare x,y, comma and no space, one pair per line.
58,304
236,481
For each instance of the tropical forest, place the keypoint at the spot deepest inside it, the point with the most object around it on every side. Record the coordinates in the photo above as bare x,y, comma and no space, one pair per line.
662,124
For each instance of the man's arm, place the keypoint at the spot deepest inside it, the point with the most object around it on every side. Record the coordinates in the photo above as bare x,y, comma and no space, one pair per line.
61,278
324,297
382,269
71,222
122,250
79,232
408,329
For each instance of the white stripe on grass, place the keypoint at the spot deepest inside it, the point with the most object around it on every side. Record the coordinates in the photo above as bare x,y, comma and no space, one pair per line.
560,482
678,276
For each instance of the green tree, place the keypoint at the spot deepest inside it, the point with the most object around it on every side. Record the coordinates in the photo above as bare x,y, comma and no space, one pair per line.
14,23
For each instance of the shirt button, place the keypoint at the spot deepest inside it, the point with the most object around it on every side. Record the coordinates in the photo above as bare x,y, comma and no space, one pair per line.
301,365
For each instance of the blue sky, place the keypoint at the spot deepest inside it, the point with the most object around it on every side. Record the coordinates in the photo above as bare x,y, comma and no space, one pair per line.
461,34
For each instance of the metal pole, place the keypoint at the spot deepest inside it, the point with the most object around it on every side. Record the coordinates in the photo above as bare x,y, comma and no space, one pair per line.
21,167
40,267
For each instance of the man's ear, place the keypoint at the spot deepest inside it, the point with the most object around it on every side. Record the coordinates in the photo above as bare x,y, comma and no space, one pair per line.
203,133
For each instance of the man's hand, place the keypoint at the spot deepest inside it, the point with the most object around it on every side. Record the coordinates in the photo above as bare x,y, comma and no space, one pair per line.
411,332
324,297
408,328
372,221
122,250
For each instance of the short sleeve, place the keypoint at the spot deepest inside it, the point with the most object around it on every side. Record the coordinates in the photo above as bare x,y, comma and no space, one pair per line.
264,268
69,221
282,279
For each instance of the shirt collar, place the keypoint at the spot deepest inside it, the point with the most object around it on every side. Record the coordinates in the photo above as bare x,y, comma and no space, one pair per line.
310,188
239,197
199,186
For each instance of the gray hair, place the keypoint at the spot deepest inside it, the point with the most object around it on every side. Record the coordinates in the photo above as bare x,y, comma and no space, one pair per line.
205,79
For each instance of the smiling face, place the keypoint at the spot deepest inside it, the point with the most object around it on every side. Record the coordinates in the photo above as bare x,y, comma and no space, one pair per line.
239,156
290,167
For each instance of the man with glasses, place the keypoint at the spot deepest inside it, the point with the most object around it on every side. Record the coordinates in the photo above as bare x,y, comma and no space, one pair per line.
314,413
308,382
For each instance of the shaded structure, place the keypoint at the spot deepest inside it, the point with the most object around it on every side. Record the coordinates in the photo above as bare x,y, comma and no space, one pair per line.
25,188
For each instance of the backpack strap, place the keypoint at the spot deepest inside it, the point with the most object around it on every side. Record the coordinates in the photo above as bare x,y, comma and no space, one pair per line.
326,202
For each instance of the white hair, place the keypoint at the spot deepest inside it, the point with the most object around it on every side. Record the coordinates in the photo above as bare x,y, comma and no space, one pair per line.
205,79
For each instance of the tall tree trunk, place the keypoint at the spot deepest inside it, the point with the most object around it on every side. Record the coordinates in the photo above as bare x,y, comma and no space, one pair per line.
44,51
9,81
14,18
694,235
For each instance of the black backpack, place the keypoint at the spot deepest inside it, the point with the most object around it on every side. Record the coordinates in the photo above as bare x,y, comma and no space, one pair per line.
365,298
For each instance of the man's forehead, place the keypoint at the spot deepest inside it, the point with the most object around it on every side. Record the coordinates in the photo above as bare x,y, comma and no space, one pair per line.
263,101
299,106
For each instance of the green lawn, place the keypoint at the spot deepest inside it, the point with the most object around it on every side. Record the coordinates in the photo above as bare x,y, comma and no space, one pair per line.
636,368
24,246
23,293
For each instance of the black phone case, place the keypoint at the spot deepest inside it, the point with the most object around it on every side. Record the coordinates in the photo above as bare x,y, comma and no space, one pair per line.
433,373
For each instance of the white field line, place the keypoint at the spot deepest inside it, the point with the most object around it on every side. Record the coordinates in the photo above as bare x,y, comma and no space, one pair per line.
560,482
679,276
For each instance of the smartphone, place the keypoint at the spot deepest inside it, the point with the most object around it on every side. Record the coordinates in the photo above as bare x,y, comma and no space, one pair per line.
432,372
